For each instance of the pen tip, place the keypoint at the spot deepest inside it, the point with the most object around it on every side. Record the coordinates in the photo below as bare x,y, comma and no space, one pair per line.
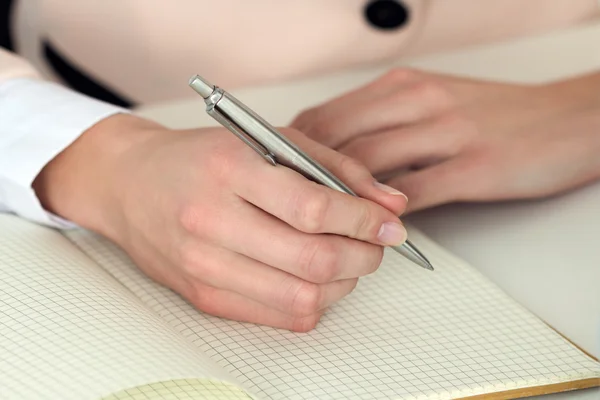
423,262
409,251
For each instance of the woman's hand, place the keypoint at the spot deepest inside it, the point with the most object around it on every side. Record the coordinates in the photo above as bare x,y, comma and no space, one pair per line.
442,139
202,213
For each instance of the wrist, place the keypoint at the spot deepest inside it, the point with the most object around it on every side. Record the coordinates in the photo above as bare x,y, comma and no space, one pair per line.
578,93
81,184
580,105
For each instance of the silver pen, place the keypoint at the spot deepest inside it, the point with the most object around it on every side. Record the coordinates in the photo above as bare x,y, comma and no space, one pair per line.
276,148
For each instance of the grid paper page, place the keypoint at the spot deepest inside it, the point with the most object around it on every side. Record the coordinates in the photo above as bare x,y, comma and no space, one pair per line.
404,333
68,330
182,389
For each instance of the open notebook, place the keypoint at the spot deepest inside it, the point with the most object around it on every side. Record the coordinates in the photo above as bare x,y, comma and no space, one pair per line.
79,321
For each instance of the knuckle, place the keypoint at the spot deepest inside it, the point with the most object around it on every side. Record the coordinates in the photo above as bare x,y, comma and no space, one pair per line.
367,221
427,89
319,261
190,218
305,324
199,221
310,210
433,93
304,299
204,298
399,74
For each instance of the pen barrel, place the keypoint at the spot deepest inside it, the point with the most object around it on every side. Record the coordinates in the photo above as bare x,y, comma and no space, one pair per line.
285,152
276,148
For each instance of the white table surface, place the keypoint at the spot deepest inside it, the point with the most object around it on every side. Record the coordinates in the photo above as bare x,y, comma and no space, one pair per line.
545,254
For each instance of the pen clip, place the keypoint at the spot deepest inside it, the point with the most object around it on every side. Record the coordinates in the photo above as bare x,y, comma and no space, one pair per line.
259,148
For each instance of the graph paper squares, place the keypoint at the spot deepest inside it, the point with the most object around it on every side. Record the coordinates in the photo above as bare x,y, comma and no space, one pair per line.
403,333
183,389
68,330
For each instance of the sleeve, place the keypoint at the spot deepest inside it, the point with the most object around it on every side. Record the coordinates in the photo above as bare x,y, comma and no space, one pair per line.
38,120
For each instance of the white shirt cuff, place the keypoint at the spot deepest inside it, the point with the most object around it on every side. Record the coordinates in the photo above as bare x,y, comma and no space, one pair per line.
38,120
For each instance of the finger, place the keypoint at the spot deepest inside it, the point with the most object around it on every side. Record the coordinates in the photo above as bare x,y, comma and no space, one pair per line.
388,83
402,107
264,238
223,269
420,144
313,208
354,174
220,302
442,183
230,305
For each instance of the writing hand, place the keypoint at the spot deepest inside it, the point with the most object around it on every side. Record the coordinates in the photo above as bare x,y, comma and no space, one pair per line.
201,213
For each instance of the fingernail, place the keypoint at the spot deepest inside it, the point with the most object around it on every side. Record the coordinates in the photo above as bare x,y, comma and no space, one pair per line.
392,233
389,189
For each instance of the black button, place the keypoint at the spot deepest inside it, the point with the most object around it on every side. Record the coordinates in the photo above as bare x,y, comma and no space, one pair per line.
386,14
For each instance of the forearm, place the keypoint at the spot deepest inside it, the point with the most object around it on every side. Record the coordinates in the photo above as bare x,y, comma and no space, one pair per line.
581,99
